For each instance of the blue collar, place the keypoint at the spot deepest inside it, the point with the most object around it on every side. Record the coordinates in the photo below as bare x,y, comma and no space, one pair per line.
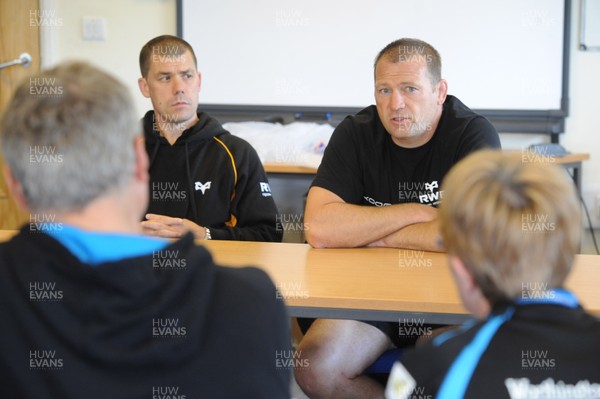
558,296
94,247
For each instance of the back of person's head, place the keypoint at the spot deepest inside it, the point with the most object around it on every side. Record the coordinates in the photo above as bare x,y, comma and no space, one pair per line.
67,136
514,224
413,50
164,47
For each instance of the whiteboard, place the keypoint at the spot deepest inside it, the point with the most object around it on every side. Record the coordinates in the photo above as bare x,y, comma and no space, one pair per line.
498,55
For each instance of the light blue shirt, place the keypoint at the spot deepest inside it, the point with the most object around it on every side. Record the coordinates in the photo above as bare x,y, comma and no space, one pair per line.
94,247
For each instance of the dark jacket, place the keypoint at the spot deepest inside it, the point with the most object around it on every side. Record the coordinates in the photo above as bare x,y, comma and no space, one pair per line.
212,178
129,329
539,350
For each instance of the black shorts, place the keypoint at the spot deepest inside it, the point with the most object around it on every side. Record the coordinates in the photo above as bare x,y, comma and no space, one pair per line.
402,335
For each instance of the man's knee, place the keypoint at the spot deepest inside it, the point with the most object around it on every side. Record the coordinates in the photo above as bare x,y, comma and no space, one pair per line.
334,352
316,371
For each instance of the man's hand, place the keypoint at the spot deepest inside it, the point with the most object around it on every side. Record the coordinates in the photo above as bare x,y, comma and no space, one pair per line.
168,227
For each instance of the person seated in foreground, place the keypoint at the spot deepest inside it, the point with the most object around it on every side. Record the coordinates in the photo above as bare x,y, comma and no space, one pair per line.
511,229
92,308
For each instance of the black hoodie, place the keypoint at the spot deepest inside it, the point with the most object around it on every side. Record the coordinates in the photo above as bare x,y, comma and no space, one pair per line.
212,178
130,330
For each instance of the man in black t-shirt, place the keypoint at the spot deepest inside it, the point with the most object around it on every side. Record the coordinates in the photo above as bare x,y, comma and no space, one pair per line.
379,185
512,229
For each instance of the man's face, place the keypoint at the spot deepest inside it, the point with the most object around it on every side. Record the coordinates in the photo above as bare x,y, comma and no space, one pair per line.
408,105
173,85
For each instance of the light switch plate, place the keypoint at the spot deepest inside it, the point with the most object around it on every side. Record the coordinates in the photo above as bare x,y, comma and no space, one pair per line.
94,28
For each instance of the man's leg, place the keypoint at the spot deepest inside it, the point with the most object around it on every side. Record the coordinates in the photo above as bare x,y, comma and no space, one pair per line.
337,352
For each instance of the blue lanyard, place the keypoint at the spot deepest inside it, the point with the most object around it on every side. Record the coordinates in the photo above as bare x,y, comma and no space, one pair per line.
551,297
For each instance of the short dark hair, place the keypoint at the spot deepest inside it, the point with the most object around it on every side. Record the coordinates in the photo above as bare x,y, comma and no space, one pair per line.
176,45
405,49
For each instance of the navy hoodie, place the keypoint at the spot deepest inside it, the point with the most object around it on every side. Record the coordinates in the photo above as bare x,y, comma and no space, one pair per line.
131,330
212,178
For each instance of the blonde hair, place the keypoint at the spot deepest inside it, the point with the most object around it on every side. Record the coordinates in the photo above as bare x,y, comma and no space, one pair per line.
514,223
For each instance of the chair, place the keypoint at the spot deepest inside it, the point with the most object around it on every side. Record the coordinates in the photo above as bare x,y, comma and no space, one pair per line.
383,364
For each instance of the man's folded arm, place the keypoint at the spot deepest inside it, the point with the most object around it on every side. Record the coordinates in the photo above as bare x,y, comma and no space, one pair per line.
419,236
331,222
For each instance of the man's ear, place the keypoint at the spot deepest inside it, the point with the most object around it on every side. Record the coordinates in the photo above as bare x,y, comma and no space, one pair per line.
442,91
143,85
462,275
142,163
470,293
14,188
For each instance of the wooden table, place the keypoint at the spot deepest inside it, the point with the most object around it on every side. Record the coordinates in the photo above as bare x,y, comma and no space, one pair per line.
575,162
371,283
289,169
374,283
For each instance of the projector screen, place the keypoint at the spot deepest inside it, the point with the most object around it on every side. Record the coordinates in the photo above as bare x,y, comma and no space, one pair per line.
496,55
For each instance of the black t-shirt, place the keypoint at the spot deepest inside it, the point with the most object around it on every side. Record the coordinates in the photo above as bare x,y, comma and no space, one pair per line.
518,352
364,166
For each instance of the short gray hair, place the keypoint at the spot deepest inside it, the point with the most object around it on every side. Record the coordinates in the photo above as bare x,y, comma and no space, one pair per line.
68,135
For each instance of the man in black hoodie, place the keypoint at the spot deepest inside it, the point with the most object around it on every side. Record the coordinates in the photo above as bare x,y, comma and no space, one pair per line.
90,307
202,178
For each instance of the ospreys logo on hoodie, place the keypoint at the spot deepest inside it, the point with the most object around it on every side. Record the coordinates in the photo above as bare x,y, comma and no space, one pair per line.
202,187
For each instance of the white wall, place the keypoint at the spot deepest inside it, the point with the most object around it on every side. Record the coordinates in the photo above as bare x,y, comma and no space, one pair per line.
582,130
131,23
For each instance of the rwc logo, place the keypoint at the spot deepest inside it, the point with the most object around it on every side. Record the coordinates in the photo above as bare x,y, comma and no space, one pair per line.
431,196
265,189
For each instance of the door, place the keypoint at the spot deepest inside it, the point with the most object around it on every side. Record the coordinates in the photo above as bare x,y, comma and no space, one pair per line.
19,33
